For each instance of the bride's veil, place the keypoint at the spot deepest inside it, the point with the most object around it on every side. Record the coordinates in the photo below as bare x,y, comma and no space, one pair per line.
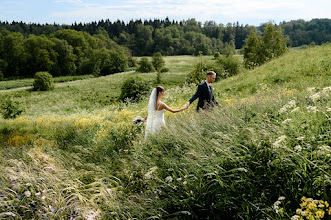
151,112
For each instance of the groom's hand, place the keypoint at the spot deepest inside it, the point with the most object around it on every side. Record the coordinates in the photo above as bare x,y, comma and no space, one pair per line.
219,106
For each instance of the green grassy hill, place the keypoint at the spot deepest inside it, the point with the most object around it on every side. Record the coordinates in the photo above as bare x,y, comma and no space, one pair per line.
259,157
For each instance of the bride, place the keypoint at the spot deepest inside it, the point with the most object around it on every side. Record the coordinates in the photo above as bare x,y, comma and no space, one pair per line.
156,109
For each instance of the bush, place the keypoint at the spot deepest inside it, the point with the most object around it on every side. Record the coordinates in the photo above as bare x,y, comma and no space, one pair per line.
217,54
134,89
11,109
43,81
164,70
145,66
157,61
230,64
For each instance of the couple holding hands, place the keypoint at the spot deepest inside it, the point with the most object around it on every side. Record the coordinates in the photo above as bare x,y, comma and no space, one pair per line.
156,108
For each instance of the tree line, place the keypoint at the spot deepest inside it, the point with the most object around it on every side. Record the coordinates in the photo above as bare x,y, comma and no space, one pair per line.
64,52
181,37
144,38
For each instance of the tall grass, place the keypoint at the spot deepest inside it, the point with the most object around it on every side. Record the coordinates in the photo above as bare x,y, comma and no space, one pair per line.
270,140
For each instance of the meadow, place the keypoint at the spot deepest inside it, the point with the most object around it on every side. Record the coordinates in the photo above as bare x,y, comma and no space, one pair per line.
75,153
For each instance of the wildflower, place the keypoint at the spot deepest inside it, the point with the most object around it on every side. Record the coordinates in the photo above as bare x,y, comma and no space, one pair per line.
298,211
168,179
321,206
277,203
185,182
295,217
283,109
179,179
312,109
286,121
281,198
311,89
315,97
311,206
295,110
150,172
301,138
328,109
327,89
292,104
278,142
298,148
27,193
320,214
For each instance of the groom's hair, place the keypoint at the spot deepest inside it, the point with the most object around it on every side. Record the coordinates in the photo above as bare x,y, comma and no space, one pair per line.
211,73
158,90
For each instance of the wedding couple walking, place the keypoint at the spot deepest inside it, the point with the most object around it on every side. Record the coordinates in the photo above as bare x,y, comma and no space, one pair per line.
156,108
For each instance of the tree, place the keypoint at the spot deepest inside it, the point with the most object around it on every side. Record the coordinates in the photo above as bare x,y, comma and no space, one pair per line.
259,50
144,66
134,89
157,61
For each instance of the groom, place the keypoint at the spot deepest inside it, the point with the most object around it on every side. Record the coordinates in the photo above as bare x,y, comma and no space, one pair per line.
205,94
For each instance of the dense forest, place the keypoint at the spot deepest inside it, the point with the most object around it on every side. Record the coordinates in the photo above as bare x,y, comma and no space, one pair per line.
95,47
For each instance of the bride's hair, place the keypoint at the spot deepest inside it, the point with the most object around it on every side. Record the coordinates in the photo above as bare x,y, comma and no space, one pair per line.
158,90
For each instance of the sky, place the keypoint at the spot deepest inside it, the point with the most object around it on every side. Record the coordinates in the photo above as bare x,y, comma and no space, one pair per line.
252,12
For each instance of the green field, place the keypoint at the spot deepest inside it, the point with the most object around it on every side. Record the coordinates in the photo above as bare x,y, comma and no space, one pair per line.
74,152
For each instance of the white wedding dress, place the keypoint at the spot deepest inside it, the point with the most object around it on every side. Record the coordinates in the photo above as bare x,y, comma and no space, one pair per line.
155,118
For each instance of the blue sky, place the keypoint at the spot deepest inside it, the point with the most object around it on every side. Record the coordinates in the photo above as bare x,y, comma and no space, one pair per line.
253,12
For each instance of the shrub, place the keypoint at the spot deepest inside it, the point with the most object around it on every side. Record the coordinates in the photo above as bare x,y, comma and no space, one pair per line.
217,54
198,74
157,61
145,66
43,81
134,88
164,70
230,64
11,109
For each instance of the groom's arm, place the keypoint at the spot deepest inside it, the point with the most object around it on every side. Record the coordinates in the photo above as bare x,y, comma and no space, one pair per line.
194,97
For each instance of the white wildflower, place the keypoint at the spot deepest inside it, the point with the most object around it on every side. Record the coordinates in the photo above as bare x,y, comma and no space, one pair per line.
281,198
292,104
301,138
27,193
298,148
311,89
295,110
283,109
315,201
312,109
185,182
278,142
321,206
328,109
168,179
179,179
150,173
299,211
315,97
287,121
326,89
277,203
295,217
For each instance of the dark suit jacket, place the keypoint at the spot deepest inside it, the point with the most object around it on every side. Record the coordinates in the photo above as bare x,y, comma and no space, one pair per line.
206,98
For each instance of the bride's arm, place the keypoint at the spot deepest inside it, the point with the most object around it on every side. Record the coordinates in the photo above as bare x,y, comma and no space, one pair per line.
164,106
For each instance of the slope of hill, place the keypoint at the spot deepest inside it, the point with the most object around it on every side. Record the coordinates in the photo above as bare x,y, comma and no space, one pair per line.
258,157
